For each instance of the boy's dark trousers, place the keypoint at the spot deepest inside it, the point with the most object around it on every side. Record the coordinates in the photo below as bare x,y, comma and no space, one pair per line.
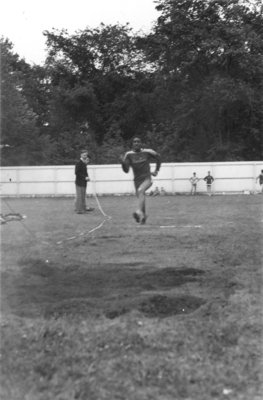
80,203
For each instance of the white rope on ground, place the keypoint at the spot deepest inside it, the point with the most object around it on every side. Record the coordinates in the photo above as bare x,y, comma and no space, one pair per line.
99,205
84,233
16,217
100,225
106,218
180,226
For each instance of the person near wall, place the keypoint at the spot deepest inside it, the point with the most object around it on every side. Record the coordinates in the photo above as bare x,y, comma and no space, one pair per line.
194,179
139,160
82,177
209,181
260,179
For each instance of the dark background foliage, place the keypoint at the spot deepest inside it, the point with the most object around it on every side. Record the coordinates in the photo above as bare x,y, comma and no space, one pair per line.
191,88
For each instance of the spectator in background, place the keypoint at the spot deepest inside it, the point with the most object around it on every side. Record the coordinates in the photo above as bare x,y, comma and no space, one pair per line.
194,181
209,181
81,180
260,178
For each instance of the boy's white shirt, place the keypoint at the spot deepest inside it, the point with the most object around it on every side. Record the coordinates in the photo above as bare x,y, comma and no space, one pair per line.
194,179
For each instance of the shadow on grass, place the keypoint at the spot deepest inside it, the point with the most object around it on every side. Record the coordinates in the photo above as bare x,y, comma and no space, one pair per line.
105,289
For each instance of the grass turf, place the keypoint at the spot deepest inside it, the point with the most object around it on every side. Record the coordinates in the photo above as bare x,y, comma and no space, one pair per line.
128,311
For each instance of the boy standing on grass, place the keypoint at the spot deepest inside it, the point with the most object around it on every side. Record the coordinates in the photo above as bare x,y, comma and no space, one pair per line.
81,180
260,178
194,181
209,180
139,160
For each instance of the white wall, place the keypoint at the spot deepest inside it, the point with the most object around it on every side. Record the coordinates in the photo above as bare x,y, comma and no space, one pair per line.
110,179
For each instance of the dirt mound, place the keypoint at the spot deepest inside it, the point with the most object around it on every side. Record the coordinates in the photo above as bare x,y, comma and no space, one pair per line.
164,306
160,306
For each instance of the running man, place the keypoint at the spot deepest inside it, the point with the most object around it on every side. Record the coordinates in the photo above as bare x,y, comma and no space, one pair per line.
194,181
260,178
209,180
139,160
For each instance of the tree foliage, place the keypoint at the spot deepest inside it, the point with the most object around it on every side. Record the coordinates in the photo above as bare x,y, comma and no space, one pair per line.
210,54
19,122
97,77
192,87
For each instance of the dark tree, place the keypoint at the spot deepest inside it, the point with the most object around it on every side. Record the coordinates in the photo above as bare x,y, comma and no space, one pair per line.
208,57
19,122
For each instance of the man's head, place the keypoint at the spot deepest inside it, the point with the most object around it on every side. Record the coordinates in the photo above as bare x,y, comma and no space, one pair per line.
194,173
208,172
84,156
136,144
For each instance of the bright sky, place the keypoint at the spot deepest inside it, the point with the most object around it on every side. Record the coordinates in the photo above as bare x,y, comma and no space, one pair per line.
23,21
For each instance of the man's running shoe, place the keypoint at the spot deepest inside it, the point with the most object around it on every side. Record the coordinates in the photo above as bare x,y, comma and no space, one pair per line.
136,217
143,220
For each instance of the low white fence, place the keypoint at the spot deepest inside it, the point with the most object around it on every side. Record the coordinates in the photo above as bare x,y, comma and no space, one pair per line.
230,177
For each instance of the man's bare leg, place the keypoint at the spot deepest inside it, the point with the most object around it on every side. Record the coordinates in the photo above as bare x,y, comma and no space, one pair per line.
141,211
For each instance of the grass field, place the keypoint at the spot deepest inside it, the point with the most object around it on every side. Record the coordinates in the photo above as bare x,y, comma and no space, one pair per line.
170,310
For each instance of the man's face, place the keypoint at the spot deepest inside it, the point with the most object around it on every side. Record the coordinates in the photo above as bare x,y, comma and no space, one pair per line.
85,157
136,144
